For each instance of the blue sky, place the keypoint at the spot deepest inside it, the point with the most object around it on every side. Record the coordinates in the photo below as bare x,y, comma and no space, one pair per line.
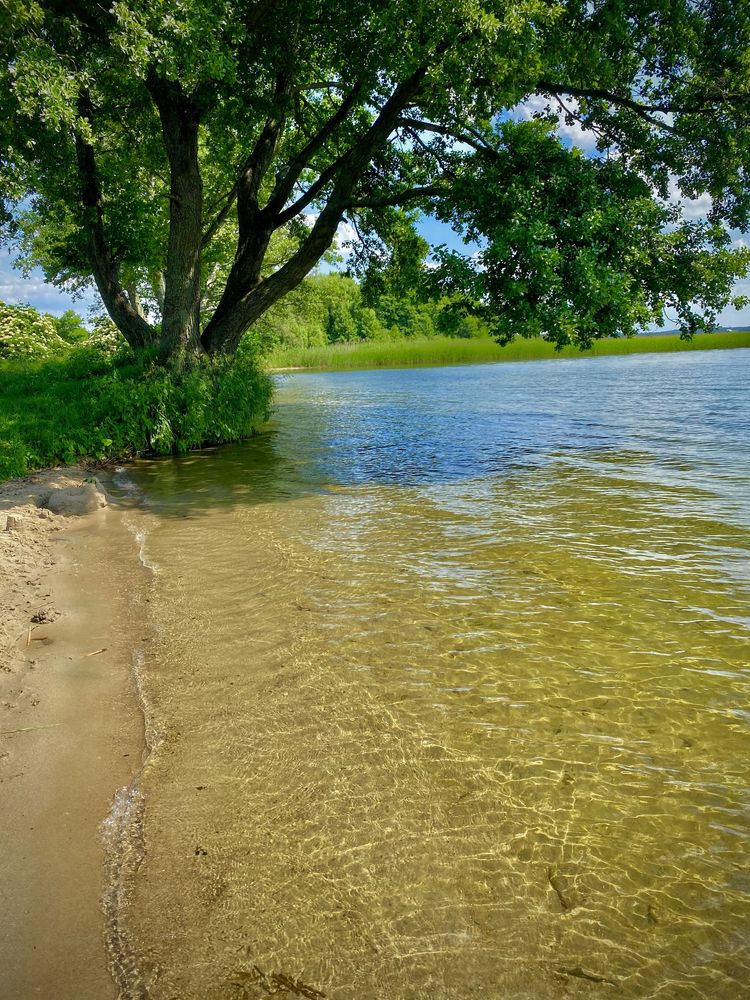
34,290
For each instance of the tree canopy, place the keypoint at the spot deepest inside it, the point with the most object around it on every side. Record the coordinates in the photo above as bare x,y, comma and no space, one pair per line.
195,159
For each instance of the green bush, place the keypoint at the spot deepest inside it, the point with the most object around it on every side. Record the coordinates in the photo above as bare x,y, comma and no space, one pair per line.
87,406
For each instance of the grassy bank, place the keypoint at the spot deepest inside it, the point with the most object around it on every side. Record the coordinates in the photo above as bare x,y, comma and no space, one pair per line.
453,351
87,406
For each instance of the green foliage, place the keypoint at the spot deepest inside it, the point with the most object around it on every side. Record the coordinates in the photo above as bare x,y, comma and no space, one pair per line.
325,308
576,248
70,327
453,351
389,254
289,117
333,308
86,405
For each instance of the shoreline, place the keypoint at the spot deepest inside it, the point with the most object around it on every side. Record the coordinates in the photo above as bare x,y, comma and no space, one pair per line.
71,732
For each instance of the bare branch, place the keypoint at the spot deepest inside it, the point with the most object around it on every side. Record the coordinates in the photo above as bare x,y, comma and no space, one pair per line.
250,177
429,151
260,159
220,217
311,193
469,136
644,111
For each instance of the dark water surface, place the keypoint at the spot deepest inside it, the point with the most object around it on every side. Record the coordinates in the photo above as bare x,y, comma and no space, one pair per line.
449,670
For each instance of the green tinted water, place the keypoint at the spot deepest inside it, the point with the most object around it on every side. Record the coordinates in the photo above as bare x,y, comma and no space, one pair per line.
449,671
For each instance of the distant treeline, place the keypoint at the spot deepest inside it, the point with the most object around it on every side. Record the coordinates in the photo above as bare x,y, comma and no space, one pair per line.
324,309
333,308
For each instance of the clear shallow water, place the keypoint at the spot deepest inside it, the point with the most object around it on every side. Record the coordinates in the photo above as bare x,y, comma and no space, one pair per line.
450,669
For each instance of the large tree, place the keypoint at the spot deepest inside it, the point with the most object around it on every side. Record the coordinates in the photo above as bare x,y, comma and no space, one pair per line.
195,158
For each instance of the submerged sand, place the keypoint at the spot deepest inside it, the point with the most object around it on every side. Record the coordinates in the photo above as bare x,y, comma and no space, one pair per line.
71,733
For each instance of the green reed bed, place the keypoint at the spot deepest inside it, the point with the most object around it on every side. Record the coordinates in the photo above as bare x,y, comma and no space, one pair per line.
453,351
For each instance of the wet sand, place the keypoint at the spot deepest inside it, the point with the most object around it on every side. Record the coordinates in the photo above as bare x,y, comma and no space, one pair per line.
71,734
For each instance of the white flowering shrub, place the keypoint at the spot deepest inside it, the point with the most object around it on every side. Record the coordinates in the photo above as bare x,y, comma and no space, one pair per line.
27,334
105,337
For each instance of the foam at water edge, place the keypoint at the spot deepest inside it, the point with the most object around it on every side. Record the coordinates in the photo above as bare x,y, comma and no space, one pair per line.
122,480
122,835
139,535
121,831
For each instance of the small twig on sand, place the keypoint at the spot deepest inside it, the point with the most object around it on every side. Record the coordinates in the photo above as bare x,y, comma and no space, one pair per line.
28,729
102,650
33,638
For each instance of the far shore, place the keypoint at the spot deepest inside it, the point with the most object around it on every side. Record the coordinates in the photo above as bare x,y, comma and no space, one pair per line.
426,352
71,733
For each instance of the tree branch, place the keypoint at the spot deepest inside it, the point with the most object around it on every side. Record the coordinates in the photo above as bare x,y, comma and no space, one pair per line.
220,217
285,184
232,318
398,198
311,193
324,85
571,114
471,137
708,106
330,172
105,269
258,13
417,138
251,174
260,159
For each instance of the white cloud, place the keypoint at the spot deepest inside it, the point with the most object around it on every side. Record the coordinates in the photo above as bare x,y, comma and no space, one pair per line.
575,133
34,290
345,234
692,208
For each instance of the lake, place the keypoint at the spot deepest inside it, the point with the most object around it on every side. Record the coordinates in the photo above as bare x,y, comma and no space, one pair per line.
447,678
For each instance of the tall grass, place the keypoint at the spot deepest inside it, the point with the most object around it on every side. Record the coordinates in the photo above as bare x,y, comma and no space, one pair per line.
453,351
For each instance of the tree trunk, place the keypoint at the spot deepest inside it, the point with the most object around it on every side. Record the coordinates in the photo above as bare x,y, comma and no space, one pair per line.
180,332
156,281
236,313
135,300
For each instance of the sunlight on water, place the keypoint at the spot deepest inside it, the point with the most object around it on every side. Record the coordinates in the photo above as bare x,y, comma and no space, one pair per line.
451,673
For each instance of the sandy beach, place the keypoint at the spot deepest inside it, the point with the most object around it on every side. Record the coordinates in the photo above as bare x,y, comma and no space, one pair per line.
71,732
